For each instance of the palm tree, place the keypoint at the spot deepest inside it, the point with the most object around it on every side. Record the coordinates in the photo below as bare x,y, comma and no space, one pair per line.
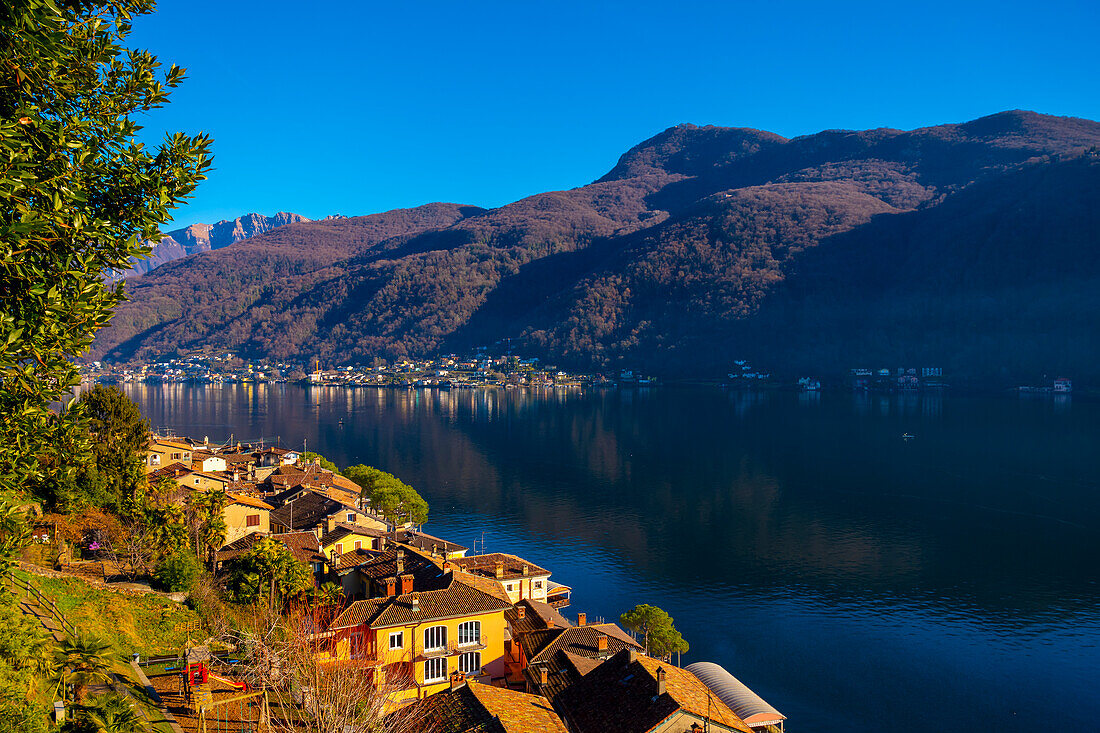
210,528
114,714
214,529
83,660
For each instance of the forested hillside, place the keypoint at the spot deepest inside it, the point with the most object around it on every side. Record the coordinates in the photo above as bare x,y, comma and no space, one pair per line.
971,246
189,240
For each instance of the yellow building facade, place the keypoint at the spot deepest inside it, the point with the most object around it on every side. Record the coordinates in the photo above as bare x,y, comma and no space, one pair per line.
244,515
416,641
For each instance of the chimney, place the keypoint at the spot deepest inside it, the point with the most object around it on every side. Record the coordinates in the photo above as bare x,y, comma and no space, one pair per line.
435,549
601,643
582,619
382,543
499,570
526,570
416,602
391,587
400,563
660,681
632,655
544,676
406,584
317,531
330,523
521,611
458,680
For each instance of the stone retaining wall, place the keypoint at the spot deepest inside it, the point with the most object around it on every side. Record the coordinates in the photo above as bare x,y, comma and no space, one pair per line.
133,589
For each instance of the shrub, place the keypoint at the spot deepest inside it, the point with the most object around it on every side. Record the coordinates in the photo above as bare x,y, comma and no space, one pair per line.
176,571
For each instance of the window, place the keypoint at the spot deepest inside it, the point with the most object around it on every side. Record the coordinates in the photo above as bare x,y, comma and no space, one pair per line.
435,670
358,545
252,520
510,587
435,637
154,459
469,633
351,517
196,482
470,663
537,584
397,640
356,644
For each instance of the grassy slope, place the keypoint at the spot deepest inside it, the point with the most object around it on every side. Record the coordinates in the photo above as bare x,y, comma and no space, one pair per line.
146,624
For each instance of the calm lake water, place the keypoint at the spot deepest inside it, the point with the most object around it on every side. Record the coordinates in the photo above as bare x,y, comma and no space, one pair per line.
853,579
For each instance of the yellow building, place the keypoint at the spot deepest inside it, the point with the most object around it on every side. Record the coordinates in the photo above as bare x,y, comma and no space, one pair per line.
515,576
203,481
245,515
416,640
345,537
162,452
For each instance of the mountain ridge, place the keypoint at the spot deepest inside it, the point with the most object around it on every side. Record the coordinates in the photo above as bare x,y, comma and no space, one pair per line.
670,261
189,240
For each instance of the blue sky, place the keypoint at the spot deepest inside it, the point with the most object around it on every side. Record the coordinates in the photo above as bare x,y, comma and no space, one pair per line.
355,108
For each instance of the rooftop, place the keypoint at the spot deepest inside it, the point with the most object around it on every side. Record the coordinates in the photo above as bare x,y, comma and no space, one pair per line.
303,545
486,709
345,529
499,565
455,600
621,696
534,616
248,501
305,512
427,542
580,640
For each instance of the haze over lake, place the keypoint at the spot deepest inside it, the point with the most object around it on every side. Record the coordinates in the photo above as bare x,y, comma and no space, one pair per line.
849,576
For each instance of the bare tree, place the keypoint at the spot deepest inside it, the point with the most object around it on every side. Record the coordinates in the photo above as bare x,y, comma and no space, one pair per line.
132,549
309,690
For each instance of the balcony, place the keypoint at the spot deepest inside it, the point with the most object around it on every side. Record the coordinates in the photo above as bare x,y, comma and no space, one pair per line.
453,647
474,645
438,651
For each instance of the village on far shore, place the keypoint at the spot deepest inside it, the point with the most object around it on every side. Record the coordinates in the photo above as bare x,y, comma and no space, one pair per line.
494,368
460,637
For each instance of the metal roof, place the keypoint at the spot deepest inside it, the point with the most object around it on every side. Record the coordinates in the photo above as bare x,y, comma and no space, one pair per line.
749,706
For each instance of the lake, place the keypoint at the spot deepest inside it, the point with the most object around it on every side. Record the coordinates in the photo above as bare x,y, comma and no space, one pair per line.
852,578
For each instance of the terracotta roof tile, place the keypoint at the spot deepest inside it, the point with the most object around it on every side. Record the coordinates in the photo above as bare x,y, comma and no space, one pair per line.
518,712
248,501
480,708
485,565
455,600
536,615
303,545
580,640
427,542
620,696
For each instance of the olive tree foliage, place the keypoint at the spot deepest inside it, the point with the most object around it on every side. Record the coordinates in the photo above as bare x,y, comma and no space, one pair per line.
78,196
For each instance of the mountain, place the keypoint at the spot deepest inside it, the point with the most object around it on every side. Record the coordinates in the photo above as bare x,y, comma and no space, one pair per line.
970,246
204,237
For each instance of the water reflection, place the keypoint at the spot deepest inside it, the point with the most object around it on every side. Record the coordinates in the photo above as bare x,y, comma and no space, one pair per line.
850,574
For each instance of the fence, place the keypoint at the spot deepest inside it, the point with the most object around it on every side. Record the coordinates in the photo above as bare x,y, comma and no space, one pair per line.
45,603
